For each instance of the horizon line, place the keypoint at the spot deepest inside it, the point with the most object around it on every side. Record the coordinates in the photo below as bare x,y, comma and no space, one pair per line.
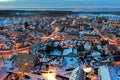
60,8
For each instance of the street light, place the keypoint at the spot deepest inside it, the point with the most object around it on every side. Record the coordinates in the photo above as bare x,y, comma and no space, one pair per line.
50,76
24,67
26,64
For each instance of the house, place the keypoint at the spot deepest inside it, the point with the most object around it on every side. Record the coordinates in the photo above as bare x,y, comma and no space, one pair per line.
112,47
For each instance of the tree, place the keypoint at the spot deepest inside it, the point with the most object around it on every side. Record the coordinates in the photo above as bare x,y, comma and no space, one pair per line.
26,24
48,49
81,47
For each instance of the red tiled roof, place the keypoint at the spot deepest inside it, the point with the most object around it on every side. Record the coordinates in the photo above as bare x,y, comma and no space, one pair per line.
118,63
112,47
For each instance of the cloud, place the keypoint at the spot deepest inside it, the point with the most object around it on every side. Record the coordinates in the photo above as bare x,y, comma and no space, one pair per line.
6,0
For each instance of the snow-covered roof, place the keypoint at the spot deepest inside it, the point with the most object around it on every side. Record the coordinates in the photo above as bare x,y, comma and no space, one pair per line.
45,59
69,50
99,47
68,63
8,64
82,32
55,52
56,44
95,53
2,36
87,46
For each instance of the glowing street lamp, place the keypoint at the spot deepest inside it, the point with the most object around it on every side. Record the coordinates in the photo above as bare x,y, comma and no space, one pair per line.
87,69
24,67
50,76
26,64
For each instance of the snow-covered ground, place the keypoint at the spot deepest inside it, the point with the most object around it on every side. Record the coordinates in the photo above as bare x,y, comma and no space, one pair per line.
104,73
69,62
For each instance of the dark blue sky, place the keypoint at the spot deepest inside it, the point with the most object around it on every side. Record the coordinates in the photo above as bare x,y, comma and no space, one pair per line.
59,3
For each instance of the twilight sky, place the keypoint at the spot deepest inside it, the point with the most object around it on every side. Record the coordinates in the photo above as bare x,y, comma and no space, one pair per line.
59,3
